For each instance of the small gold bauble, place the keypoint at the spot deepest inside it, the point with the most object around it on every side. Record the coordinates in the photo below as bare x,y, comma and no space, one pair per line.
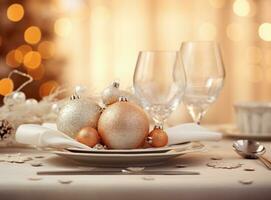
158,137
76,114
88,136
123,125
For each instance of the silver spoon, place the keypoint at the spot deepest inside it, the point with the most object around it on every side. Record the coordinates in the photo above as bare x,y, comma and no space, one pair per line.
251,149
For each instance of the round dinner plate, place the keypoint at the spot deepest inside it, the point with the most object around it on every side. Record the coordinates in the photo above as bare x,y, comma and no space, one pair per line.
131,151
129,160
230,130
235,133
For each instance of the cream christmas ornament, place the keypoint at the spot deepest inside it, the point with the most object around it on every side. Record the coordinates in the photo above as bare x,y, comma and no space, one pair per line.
76,114
123,125
111,94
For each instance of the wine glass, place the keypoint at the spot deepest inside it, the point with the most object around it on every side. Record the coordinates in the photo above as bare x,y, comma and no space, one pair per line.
159,82
205,75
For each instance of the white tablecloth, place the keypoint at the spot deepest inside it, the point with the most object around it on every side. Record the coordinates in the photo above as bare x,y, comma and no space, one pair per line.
210,184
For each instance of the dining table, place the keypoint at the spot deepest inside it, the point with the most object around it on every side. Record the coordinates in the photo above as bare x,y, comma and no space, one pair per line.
222,174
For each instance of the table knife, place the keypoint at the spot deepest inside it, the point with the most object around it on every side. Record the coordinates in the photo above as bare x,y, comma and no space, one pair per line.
116,172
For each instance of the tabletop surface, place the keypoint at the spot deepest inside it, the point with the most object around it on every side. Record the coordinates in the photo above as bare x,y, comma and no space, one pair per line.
19,180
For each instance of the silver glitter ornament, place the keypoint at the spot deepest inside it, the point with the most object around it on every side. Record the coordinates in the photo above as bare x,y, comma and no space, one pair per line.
123,125
77,114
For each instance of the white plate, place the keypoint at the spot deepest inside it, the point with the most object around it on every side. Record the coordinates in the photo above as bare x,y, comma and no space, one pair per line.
129,160
131,151
230,130
255,136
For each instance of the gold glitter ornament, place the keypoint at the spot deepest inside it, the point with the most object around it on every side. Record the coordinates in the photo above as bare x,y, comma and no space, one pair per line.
123,125
76,114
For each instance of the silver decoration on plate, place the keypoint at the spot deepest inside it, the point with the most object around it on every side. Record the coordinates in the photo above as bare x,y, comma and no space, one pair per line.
77,114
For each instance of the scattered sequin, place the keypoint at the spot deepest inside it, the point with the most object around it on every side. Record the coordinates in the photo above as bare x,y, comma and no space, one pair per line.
180,166
34,178
223,165
15,158
148,178
216,158
39,156
246,181
65,181
249,169
36,164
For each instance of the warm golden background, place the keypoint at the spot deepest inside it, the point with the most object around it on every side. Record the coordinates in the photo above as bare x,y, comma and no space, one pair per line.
93,42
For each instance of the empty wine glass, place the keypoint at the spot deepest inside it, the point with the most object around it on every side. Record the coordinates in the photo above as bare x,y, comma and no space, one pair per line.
205,76
159,82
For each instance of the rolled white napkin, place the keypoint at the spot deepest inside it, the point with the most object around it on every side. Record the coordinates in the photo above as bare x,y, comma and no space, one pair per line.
48,136
191,132
42,136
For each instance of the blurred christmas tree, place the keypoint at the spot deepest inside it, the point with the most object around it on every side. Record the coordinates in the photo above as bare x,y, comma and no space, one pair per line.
27,44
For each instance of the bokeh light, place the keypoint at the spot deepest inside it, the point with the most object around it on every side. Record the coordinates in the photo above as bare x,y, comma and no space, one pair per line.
15,12
100,16
14,58
63,27
47,87
32,59
24,49
217,3
32,35
254,54
241,8
265,31
0,40
235,32
6,86
37,73
46,49
207,31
